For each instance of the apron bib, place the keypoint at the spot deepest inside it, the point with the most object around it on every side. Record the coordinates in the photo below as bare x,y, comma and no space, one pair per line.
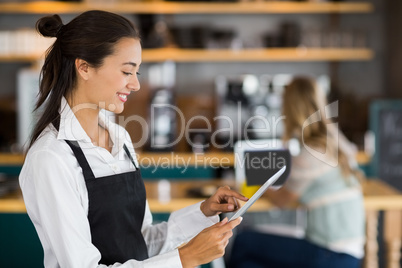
115,212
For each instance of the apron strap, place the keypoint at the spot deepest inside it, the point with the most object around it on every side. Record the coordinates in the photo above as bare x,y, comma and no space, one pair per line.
79,154
130,156
86,169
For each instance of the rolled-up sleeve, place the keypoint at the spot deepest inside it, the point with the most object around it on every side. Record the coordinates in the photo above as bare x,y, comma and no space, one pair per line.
181,226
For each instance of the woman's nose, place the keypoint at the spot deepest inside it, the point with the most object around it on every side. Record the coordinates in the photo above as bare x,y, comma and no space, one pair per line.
134,84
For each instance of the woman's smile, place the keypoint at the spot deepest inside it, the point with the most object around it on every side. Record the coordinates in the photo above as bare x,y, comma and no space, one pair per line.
122,96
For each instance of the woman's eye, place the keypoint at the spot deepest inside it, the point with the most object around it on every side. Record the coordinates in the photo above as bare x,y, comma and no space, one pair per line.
138,73
127,73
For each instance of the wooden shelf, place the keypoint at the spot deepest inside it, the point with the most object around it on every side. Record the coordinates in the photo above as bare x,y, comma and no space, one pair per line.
161,7
377,196
213,159
246,55
11,159
257,55
20,58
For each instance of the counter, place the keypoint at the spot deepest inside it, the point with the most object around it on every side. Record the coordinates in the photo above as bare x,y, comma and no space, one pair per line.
378,196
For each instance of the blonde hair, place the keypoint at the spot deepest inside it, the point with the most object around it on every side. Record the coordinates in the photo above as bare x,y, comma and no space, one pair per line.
301,99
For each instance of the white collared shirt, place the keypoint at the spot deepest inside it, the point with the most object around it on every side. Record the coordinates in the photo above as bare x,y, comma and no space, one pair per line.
56,198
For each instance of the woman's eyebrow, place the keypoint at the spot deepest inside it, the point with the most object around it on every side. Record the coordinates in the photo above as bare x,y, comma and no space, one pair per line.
130,63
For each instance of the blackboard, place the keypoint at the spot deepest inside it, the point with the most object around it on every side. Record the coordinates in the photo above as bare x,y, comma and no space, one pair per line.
386,124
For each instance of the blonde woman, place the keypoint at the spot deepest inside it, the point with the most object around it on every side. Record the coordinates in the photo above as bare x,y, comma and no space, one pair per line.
323,179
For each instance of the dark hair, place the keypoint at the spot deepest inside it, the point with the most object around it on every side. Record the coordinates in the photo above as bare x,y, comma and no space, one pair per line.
91,36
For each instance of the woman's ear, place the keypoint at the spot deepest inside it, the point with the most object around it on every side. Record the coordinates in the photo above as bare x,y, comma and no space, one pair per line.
82,68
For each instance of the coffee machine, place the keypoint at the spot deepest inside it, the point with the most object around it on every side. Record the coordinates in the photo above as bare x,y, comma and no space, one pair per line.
249,106
162,116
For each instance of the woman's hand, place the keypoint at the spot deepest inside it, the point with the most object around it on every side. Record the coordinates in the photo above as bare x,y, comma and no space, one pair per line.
208,245
223,200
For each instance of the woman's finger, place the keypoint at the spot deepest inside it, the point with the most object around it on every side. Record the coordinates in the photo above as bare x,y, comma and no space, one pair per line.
224,207
224,192
235,202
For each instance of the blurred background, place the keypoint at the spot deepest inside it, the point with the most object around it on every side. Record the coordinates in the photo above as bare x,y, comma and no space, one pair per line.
354,50
211,59
214,58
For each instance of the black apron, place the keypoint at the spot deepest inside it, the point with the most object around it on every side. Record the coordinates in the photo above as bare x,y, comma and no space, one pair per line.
115,212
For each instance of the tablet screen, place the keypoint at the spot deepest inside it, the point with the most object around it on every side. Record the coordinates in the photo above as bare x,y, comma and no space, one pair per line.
262,164
258,194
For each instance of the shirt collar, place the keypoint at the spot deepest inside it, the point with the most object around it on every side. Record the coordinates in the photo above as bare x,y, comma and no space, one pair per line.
71,129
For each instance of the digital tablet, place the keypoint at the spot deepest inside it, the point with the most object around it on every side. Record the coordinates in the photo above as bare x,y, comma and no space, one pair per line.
258,194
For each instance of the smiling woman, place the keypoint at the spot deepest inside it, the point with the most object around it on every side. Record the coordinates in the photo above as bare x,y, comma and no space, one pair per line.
109,85
105,87
81,180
